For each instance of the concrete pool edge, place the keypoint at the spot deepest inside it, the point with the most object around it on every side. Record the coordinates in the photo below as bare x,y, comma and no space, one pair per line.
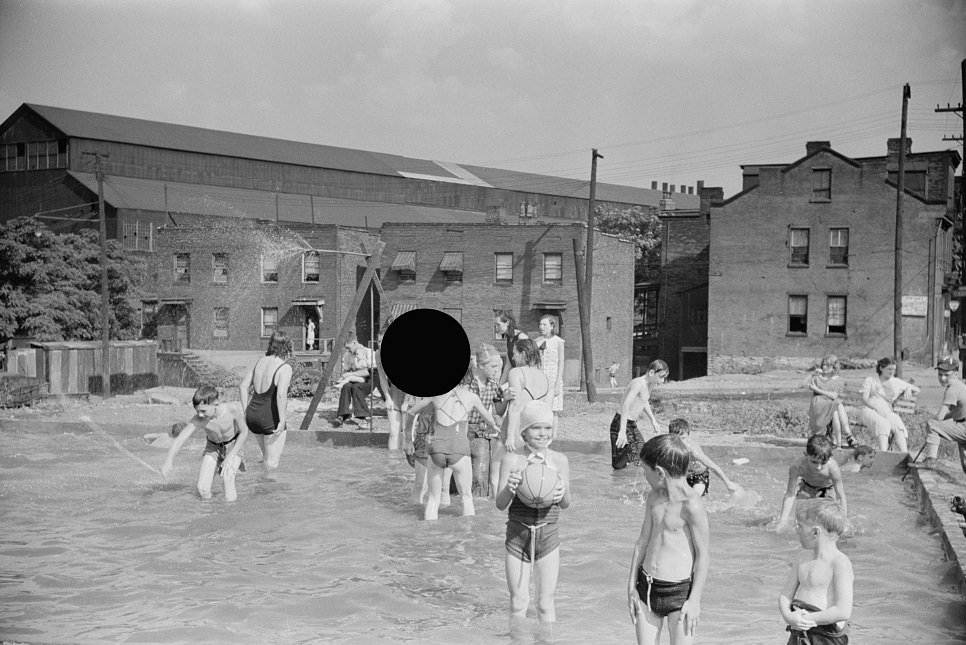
935,505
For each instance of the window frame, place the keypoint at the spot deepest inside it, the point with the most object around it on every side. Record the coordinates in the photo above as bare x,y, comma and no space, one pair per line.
318,275
261,270
214,268
832,262
215,327
496,268
837,333
182,276
263,311
791,246
804,317
821,190
546,278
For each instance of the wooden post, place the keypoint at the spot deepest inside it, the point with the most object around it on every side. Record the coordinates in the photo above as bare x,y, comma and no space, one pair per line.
900,189
584,324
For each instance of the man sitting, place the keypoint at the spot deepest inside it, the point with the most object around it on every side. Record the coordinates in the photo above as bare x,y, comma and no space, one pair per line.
949,422
356,384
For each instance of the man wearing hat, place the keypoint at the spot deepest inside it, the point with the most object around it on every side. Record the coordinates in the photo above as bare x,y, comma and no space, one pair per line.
950,420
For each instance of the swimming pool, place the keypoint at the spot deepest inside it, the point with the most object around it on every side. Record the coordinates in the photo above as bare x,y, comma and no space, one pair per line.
94,548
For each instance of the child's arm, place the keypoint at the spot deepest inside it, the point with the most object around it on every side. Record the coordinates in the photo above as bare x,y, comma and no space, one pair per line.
633,390
814,387
179,441
510,468
697,518
795,618
476,404
836,474
842,578
420,405
640,550
561,494
713,467
513,438
789,500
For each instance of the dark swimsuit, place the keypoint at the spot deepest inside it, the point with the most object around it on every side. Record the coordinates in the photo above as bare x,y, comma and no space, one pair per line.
262,413
818,635
808,491
531,533
450,443
698,473
220,451
660,596
631,452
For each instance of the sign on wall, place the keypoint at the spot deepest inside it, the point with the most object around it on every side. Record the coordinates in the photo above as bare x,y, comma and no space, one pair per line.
914,305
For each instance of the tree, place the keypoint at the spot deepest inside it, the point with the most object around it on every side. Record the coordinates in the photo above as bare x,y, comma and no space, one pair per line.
641,225
50,284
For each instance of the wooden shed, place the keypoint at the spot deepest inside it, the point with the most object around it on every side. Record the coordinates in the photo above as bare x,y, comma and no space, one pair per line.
74,367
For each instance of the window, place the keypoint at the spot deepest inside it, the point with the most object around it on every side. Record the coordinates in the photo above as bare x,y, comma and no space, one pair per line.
822,184
838,246
504,268
219,268
912,180
221,322
269,269
610,323
452,266
798,243
697,314
797,314
552,268
137,236
149,323
837,307
182,268
645,311
405,266
269,321
310,266
34,155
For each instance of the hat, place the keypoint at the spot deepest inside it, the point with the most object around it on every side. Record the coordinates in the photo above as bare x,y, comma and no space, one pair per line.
535,412
948,364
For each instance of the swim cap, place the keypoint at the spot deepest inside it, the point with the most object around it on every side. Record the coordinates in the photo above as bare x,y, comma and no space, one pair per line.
535,412
485,353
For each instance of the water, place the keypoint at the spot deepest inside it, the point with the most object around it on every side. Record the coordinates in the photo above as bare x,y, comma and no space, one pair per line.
95,548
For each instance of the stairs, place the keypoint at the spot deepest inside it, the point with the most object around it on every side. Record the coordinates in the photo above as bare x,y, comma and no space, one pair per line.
198,371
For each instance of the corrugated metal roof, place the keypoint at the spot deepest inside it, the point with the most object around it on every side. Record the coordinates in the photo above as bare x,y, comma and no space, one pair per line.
405,261
452,261
400,308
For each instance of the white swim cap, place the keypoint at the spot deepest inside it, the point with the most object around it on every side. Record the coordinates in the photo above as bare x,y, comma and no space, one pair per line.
535,412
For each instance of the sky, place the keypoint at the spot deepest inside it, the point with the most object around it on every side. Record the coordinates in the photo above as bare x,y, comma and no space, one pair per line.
672,91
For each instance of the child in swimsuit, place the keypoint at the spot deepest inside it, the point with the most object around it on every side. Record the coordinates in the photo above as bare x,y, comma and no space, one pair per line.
670,561
814,475
861,458
816,601
626,440
226,432
450,445
532,534
701,465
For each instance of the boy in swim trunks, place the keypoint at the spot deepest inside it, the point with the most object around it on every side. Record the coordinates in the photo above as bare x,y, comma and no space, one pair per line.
532,534
862,457
701,465
816,600
226,432
670,562
815,475
626,440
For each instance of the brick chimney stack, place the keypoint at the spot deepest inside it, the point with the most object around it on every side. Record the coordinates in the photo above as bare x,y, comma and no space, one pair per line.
815,146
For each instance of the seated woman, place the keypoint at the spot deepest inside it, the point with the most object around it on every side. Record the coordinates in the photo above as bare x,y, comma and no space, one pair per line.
879,393
826,414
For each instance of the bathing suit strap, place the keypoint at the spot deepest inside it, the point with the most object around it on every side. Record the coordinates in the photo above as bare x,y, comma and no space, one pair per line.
225,443
272,382
454,419
537,457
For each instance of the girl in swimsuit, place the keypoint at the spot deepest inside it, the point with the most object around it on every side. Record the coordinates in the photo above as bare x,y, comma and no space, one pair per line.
527,383
508,327
450,446
265,410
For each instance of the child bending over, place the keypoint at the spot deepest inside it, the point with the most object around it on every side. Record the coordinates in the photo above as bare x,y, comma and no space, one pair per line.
701,465
670,562
816,600
226,432
814,475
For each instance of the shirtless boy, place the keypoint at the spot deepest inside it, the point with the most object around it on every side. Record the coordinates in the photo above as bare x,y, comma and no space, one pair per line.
670,562
816,600
814,475
626,440
226,432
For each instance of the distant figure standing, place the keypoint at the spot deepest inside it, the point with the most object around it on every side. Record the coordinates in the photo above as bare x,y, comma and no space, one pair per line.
310,335
612,373
552,363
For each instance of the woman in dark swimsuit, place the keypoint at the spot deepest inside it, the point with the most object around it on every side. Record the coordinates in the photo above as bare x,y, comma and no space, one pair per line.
265,408
527,383
450,446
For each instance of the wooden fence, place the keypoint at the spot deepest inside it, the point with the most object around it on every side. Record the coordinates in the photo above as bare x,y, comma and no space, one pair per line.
74,367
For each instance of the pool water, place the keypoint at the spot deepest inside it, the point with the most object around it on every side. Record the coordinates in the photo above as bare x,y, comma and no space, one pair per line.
95,548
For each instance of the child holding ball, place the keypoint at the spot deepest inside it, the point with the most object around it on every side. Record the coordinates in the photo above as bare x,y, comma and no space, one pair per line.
532,533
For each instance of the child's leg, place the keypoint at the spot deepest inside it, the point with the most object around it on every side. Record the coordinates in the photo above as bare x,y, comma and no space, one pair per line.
843,417
444,499
836,431
420,483
518,582
899,439
228,477
497,450
545,574
435,476
395,423
206,474
675,628
273,445
463,472
648,626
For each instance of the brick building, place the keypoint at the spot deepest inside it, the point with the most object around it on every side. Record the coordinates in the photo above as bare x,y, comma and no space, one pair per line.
802,260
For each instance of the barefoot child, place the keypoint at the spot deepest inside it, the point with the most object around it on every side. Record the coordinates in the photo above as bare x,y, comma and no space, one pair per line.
861,458
626,440
826,414
701,465
532,534
670,562
226,432
816,600
814,475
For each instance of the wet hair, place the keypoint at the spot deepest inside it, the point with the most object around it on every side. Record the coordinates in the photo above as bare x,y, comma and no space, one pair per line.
823,512
279,345
204,395
658,365
553,322
832,360
468,377
530,351
511,322
679,427
818,445
668,452
883,363
863,451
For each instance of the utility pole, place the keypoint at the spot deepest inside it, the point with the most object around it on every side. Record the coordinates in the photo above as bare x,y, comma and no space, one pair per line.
105,295
900,189
585,295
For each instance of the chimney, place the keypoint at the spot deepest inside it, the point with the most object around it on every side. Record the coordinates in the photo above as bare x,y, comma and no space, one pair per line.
709,195
666,203
700,185
815,146
672,188
664,187
690,190
893,146
653,185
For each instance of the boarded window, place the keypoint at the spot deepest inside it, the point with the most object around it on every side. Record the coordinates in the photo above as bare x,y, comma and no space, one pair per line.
837,310
798,243
838,246
822,184
798,314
